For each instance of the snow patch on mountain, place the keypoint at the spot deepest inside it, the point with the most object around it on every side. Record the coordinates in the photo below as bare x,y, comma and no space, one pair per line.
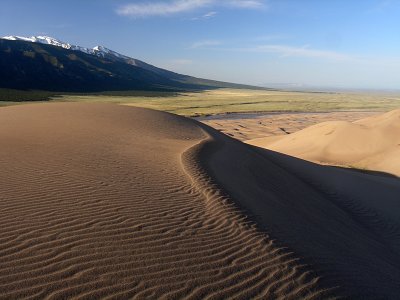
98,50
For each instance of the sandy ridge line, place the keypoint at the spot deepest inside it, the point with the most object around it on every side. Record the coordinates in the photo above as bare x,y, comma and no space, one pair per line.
295,183
123,218
194,163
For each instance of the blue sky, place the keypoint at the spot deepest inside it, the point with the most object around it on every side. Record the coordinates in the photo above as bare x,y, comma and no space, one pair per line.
329,43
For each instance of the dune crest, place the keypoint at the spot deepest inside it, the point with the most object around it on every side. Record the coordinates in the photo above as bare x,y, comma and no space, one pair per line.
108,201
113,202
372,143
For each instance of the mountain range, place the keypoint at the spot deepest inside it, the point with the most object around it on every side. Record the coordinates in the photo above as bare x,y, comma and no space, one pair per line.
46,63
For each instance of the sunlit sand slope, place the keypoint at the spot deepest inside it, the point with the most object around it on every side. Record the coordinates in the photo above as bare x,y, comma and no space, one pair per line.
105,201
371,143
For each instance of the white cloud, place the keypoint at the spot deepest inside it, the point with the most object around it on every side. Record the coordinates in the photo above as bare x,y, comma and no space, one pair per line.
209,15
165,8
203,44
206,16
305,51
247,3
161,8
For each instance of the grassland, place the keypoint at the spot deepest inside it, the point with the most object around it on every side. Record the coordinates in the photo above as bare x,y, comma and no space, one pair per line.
238,100
232,100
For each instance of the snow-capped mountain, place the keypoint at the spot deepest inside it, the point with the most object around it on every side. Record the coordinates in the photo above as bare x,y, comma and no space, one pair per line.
98,50
103,51
45,63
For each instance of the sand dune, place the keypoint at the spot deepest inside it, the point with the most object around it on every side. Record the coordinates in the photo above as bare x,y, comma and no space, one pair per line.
372,143
248,126
108,201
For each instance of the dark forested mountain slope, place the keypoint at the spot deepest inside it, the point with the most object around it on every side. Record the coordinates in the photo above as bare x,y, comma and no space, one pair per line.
27,65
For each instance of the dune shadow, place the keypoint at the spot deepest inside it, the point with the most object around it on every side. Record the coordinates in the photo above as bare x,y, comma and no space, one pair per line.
343,222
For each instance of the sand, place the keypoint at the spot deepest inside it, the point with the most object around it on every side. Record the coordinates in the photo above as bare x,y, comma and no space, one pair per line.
260,125
106,201
371,143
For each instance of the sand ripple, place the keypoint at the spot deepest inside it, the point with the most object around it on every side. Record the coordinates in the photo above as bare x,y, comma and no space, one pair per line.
103,201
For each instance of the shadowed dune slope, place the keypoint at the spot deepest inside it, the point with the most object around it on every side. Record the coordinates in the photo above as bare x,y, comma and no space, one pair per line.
346,224
109,201
372,143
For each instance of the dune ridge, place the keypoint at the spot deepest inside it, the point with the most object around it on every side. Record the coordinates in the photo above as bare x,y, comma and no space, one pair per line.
115,202
107,201
344,223
371,143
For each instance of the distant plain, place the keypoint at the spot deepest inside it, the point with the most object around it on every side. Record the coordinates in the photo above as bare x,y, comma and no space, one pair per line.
222,101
